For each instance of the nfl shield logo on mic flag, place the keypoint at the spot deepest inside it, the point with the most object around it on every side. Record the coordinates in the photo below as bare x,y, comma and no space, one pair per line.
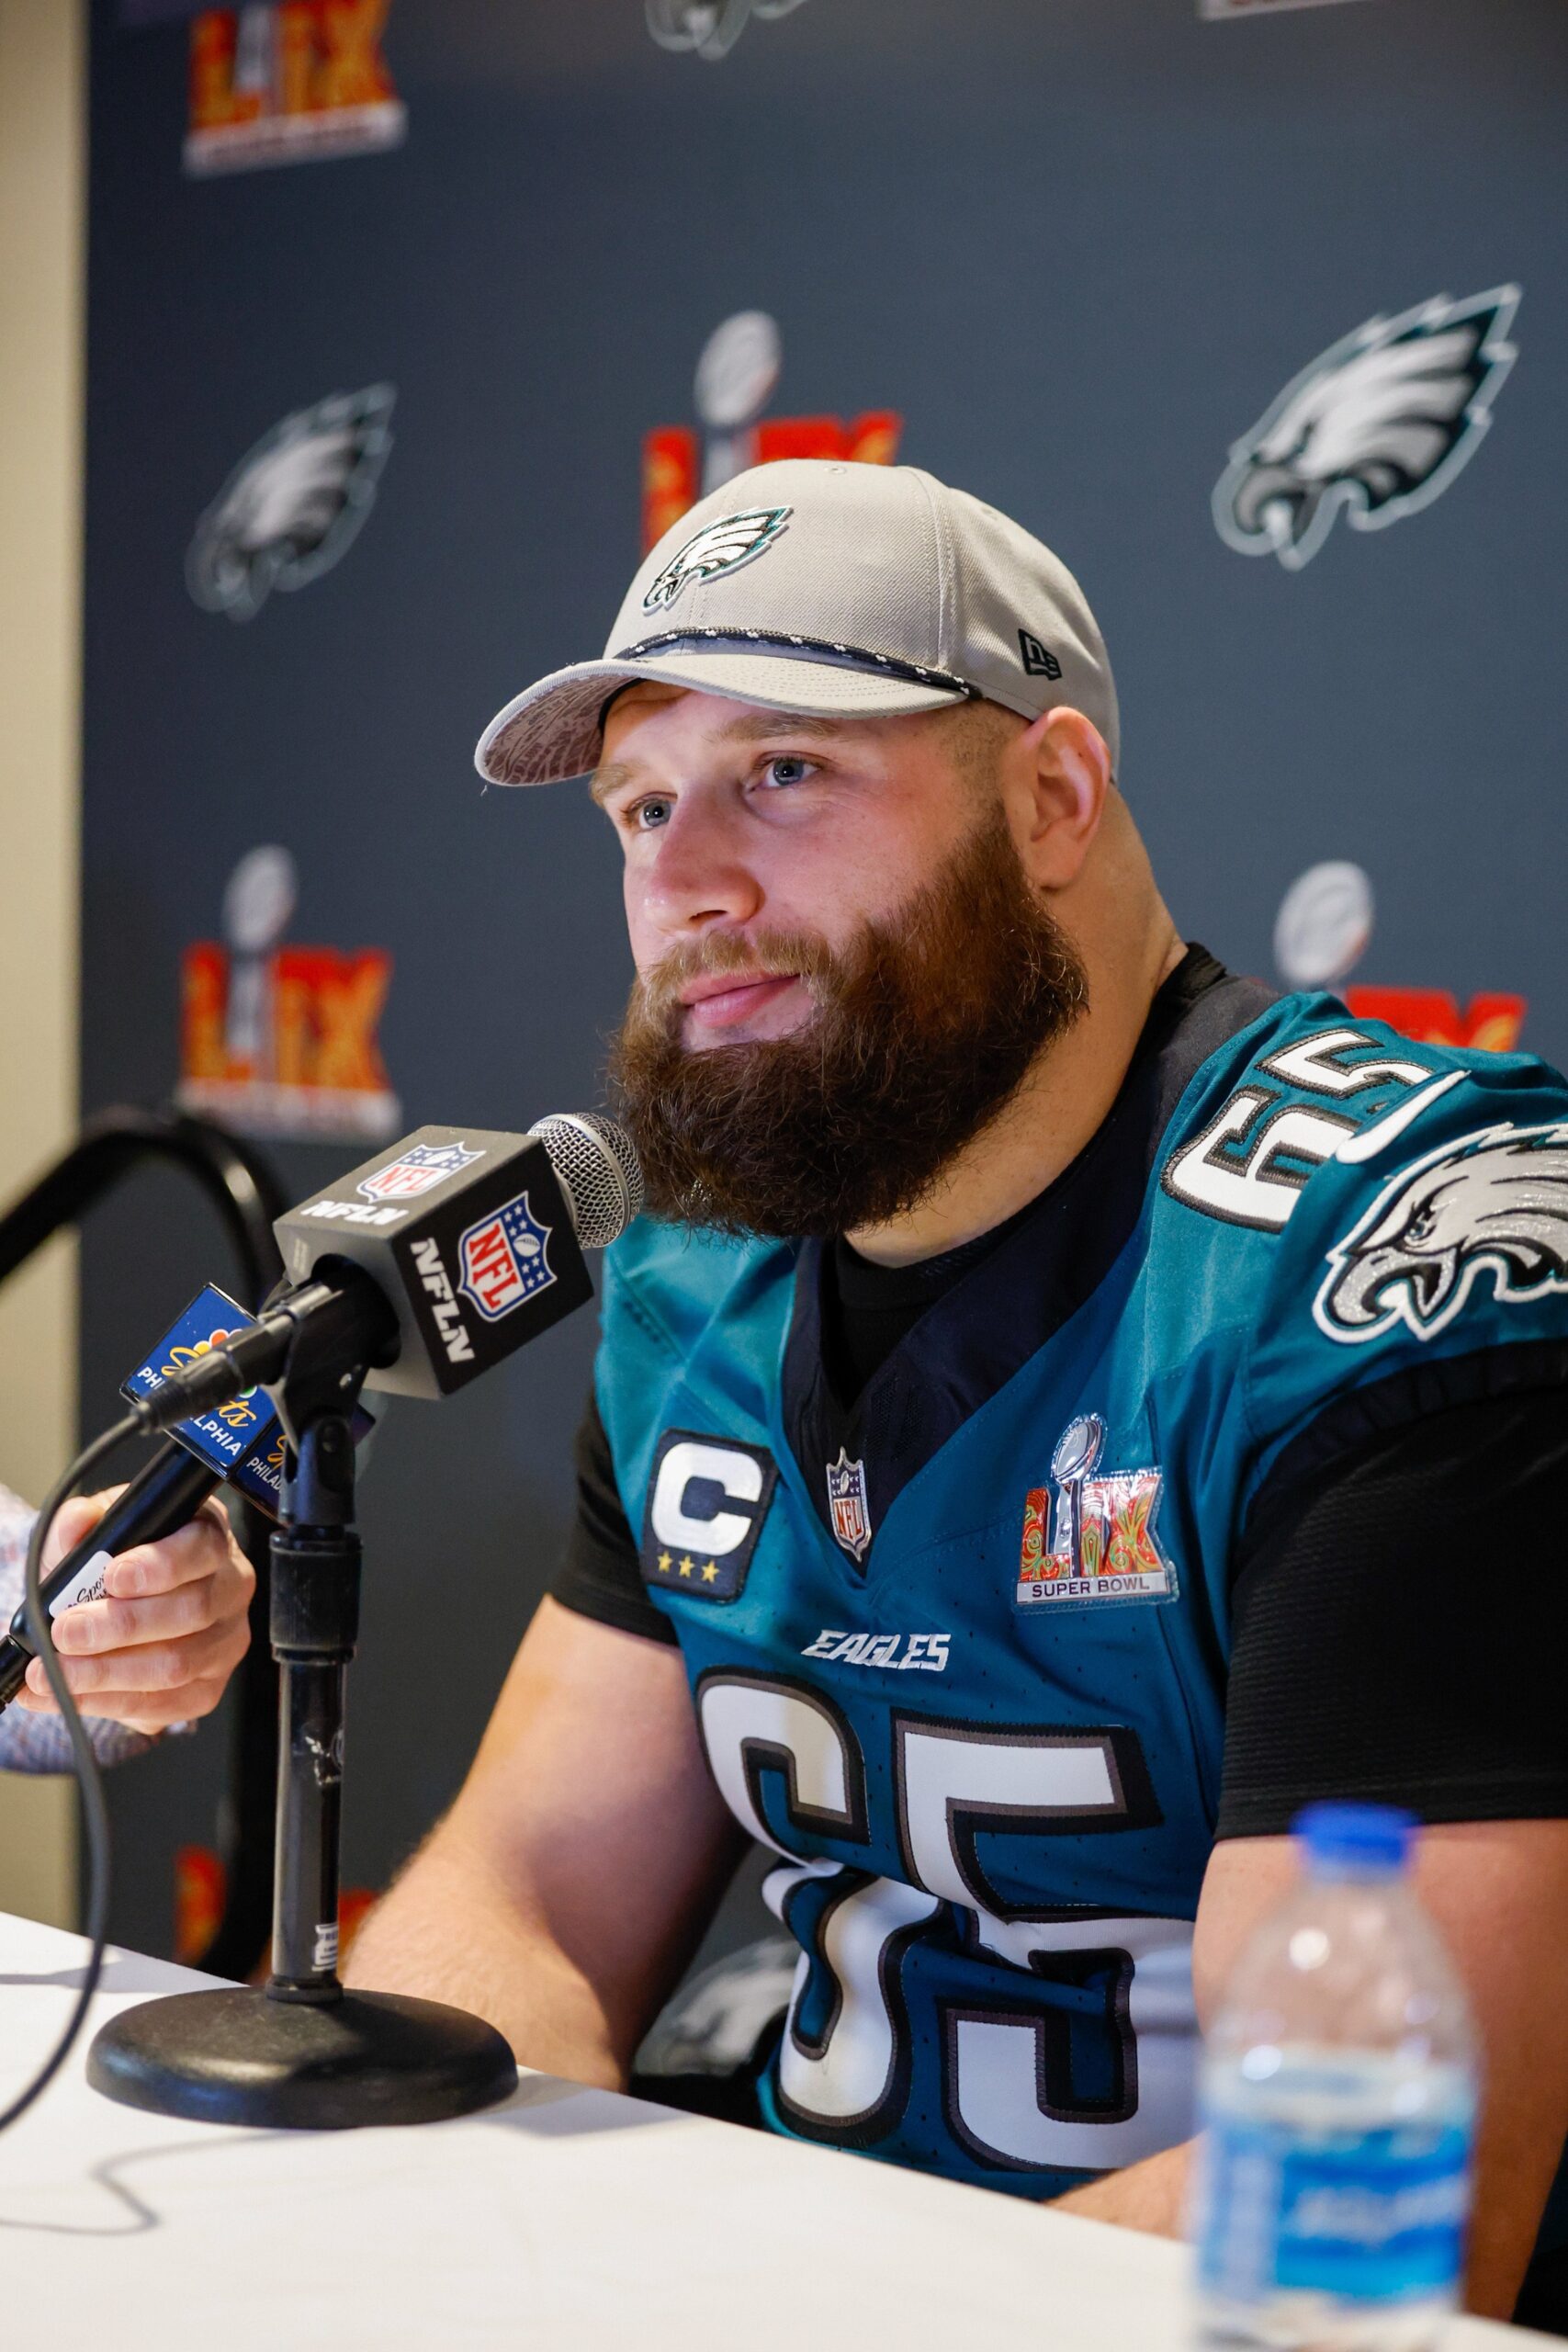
847,1502
420,1167
504,1260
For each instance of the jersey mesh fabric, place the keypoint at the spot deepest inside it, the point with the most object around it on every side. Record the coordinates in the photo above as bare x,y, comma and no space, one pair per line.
1401,1616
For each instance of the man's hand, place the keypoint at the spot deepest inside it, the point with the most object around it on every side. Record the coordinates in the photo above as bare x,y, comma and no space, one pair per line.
1497,1893
161,1645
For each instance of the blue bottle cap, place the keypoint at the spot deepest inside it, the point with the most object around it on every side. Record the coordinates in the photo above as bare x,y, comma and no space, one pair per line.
1347,1839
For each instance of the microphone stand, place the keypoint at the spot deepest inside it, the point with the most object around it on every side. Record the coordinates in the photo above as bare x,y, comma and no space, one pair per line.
304,2052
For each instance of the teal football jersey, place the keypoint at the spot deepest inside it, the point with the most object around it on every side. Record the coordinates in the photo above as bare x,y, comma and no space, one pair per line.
958,1654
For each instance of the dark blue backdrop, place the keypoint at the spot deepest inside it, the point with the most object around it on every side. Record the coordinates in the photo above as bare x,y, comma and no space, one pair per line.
1080,246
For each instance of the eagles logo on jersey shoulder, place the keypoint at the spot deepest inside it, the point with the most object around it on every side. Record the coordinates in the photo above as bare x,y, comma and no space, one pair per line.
293,503
1377,426
1495,1202
723,546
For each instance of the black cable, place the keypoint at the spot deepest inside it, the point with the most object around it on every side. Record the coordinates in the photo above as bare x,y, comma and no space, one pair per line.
95,1805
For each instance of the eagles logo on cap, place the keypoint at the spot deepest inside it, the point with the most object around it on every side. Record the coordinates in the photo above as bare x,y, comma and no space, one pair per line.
718,546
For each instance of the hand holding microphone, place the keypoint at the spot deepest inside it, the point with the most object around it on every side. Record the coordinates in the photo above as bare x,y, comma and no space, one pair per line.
167,1624
146,1588
186,1645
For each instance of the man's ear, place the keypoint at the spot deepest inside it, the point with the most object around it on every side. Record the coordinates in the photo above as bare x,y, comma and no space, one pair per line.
1056,778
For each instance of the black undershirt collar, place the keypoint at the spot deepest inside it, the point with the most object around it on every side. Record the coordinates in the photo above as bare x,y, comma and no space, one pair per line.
868,1309
888,1362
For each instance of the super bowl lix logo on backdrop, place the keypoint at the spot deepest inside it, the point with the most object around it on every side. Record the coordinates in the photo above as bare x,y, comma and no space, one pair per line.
298,82
1375,428
737,375
1323,930
278,1041
293,504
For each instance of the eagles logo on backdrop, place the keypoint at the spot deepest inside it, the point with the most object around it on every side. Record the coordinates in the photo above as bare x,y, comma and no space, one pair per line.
711,28
707,1498
1376,427
1218,8
293,504
1496,1202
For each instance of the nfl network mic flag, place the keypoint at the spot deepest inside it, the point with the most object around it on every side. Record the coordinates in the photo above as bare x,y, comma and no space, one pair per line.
469,1235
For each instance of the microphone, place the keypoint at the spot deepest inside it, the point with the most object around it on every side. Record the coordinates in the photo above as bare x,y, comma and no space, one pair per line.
164,1496
421,1269
392,1304
241,1445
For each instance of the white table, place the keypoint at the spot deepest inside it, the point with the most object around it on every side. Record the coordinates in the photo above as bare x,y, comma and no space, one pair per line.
568,2219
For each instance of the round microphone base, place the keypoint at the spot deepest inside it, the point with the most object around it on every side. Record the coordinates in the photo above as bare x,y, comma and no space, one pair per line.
234,2057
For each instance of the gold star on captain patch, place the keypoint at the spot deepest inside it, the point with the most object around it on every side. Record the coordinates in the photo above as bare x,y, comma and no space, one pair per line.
664,1564
685,1567
710,1571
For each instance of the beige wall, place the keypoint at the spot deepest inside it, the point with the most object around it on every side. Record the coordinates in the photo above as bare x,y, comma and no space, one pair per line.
42,205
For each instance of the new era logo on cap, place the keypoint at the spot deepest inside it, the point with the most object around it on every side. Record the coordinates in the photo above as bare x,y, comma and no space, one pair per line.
1038,660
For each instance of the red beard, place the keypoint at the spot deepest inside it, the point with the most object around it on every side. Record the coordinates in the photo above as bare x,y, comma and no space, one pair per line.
924,1027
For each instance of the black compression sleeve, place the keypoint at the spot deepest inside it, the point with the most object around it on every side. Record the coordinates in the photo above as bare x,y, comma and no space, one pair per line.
600,1575
1400,1624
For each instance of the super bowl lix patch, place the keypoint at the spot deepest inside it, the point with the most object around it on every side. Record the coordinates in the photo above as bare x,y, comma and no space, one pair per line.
1099,1543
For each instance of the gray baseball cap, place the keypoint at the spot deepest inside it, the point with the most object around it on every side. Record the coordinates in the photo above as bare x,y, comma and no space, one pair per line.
831,590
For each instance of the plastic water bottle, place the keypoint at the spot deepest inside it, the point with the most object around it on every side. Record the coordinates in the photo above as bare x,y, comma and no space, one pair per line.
1337,2101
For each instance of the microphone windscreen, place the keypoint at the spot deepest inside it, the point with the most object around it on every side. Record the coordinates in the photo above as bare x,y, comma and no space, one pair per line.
597,1170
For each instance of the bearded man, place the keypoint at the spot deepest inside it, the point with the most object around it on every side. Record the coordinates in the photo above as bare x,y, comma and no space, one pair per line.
1040,1436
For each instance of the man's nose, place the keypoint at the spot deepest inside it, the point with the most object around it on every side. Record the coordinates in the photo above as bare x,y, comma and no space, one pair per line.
698,876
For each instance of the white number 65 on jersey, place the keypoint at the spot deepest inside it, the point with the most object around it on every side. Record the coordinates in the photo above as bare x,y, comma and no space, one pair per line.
1006,2074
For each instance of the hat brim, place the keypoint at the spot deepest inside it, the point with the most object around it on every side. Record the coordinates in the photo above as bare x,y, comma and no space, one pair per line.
552,731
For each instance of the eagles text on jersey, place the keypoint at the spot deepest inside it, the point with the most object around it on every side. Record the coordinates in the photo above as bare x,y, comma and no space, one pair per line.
958,1657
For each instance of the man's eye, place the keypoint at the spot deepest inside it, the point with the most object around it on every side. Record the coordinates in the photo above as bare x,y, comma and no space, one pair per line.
788,768
649,814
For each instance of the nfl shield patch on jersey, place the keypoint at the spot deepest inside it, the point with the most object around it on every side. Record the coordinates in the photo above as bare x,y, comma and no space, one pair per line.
504,1260
706,1502
846,1503
1102,1545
